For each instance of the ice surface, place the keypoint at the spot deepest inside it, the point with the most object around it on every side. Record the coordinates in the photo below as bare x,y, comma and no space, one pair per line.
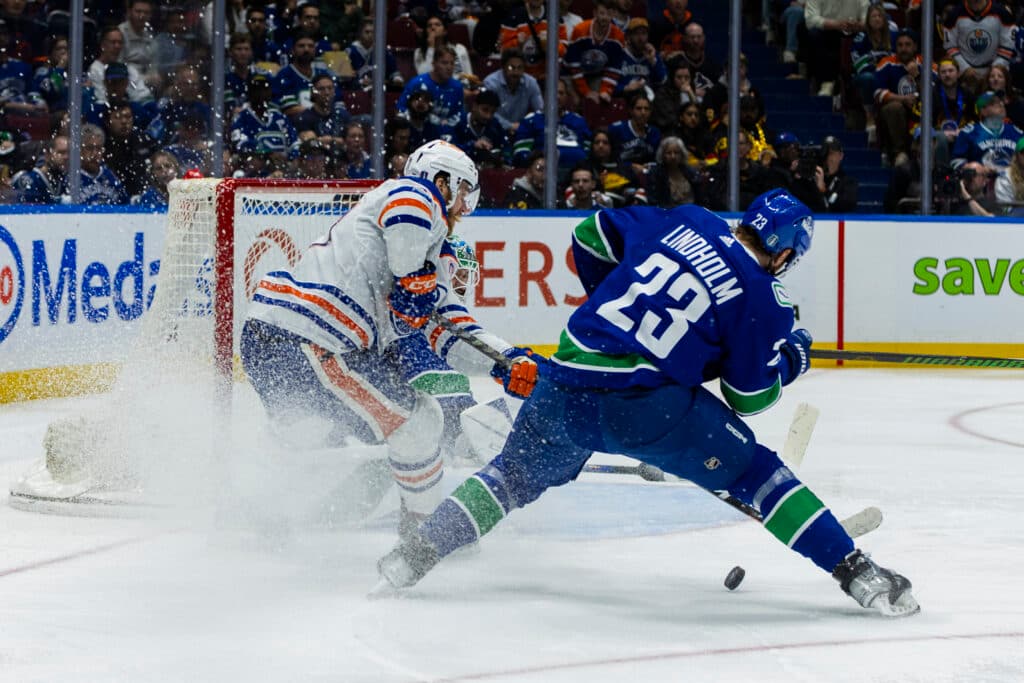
607,579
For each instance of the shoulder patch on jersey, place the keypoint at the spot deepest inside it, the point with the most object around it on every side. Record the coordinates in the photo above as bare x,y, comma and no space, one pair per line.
781,295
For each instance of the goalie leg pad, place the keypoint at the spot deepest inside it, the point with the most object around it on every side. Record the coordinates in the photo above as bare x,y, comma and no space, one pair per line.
415,456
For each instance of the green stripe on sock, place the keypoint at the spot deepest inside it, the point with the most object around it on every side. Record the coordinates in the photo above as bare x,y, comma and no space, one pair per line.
791,514
482,506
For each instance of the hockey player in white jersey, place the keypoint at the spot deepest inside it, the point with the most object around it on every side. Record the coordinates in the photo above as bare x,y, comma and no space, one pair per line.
333,336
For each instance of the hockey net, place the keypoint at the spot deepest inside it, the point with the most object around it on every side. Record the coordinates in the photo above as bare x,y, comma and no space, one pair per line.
171,407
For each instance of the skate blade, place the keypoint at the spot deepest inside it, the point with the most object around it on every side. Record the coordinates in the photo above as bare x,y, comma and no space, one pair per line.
904,606
382,590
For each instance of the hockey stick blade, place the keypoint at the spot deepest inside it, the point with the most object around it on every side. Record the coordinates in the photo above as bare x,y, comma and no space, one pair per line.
863,522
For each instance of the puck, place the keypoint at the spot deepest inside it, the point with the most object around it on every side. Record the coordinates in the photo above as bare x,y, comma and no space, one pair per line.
734,578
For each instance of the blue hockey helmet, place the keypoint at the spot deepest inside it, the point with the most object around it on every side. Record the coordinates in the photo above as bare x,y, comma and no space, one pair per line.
783,222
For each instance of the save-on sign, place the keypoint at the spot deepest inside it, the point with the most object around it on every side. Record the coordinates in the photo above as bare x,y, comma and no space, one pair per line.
964,277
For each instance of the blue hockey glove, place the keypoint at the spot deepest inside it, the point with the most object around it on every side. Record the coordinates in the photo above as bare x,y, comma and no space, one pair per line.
412,299
521,377
795,357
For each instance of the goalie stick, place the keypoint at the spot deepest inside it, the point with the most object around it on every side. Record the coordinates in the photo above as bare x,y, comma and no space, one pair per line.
917,358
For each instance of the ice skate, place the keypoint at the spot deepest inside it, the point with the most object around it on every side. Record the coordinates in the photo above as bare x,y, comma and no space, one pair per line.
406,564
875,587
408,523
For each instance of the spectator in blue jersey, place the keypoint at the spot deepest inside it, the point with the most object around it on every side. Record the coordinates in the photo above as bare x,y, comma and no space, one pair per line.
480,136
50,80
46,183
326,115
951,103
573,133
99,184
127,149
518,91
447,93
16,91
360,55
182,100
163,168
642,67
635,139
992,140
192,145
436,33
897,94
595,54
239,68
527,191
870,46
421,129
354,162
115,83
293,84
307,22
264,49
260,121
615,386
978,34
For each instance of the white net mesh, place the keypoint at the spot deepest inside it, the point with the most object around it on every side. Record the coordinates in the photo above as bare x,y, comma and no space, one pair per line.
166,418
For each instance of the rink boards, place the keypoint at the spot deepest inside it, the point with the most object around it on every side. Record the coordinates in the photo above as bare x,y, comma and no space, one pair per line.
75,286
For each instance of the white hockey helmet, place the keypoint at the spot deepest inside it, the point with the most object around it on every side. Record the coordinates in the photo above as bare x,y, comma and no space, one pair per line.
438,156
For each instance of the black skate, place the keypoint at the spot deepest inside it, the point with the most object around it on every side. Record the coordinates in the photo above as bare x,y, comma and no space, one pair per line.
406,564
875,587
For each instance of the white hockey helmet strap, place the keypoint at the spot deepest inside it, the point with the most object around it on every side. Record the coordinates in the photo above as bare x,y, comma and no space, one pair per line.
438,156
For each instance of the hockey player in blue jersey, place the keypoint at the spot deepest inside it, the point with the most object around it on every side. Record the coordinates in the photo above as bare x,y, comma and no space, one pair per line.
675,300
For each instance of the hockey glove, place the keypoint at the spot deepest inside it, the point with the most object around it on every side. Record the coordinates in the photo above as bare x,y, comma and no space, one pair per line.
412,299
519,378
795,357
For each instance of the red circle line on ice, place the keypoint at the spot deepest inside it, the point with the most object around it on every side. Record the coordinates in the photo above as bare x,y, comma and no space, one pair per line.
959,422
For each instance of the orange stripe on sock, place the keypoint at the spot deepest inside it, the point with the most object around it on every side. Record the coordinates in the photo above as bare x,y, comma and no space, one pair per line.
418,478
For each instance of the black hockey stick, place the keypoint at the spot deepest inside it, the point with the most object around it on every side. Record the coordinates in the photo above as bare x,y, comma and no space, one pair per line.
917,358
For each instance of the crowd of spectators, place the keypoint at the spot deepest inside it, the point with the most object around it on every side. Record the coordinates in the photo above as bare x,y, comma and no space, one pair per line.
642,105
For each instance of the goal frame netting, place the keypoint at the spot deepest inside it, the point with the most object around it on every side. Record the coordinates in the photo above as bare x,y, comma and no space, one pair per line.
222,235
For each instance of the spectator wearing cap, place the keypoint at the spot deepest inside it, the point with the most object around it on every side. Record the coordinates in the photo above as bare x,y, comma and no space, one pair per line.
311,163
261,127
976,35
111,45
991,141
481,136
163,168
99,184
668,29
447,94
1010,183
139,45
326,116
642,67
354,162
898,78
47,182
17,94
518,91
116,84
421,128
786,146
828,21
594,55
293,83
